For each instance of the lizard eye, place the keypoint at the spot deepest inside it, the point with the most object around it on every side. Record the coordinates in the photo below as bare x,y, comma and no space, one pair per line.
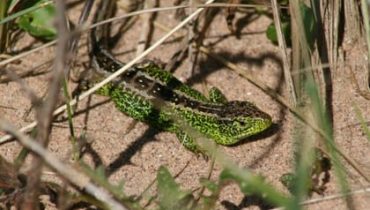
241,123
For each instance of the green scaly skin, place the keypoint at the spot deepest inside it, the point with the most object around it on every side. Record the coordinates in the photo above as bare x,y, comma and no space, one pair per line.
139,90
223,125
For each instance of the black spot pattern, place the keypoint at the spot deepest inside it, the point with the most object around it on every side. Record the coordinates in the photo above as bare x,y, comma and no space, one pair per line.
142,83
234,109
164,93
128,75
229,110
107,63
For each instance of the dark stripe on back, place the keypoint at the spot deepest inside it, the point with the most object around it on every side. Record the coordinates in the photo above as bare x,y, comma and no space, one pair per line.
166,93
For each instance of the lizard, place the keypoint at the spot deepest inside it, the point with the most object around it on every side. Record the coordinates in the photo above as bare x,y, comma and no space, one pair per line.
137,90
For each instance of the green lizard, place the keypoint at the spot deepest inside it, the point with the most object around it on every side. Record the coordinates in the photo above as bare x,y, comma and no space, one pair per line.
138,89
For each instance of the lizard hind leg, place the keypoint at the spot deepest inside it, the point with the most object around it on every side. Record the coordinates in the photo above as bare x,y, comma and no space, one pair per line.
189,143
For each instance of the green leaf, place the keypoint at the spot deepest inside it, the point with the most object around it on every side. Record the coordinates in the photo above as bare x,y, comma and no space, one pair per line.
246,186
254,185
283,2
169,193
211,186
272,36
209,201
288,180
39,23
309,24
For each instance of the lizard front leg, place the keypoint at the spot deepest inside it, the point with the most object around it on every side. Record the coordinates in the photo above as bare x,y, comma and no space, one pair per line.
216,96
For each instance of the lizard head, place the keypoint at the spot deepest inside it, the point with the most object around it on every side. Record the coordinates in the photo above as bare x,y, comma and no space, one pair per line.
239,120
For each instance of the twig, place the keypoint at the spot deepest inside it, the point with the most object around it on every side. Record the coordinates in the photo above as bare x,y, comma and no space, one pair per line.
19,56
284,53
73,176
83,17
44,112
72,52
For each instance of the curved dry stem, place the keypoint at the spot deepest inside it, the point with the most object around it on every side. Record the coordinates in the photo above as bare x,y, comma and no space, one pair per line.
73,176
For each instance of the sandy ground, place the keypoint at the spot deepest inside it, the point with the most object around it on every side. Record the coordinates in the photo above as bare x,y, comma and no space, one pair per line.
134,155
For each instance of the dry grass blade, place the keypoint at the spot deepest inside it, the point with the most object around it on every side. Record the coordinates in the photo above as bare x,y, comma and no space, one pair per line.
44,112
147,28
283,47
3,27
366,20
69,173
19,56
